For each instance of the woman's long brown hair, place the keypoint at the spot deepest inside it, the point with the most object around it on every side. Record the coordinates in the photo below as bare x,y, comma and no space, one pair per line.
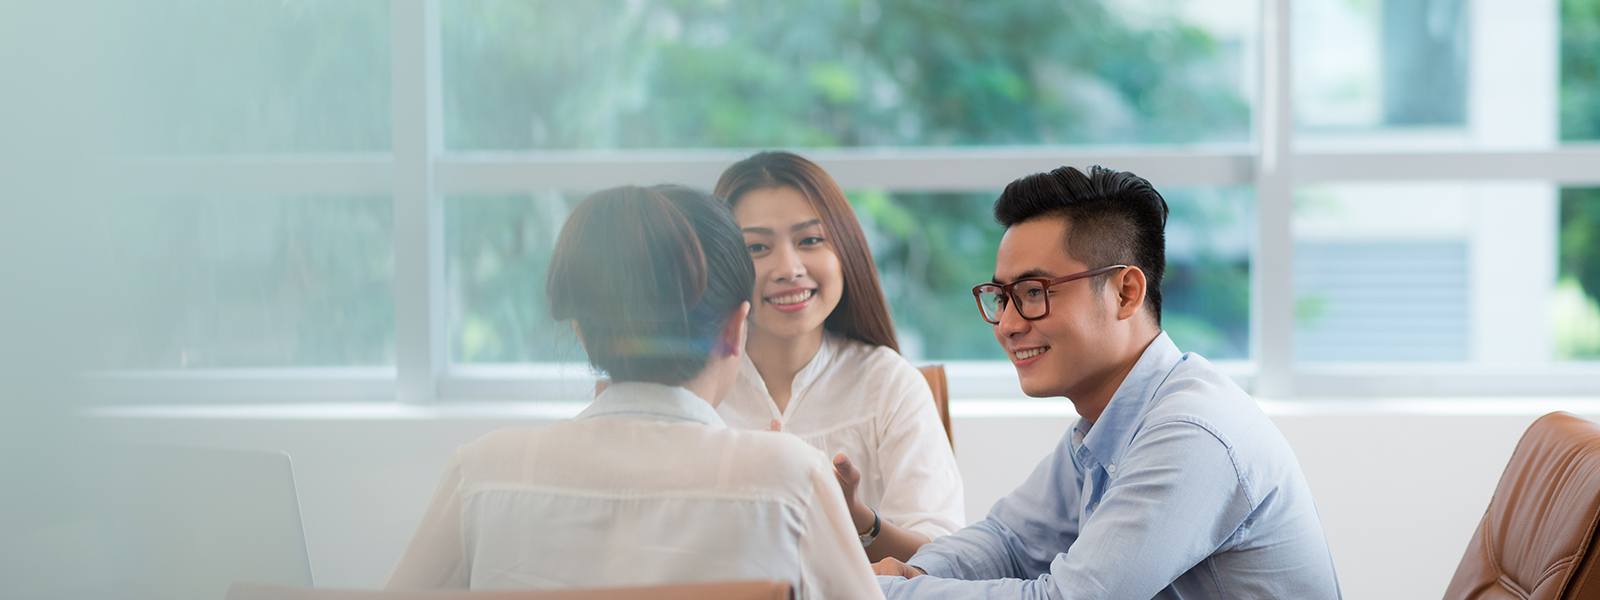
862,314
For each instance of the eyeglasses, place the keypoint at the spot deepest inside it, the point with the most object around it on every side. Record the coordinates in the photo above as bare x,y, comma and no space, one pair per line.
1029,294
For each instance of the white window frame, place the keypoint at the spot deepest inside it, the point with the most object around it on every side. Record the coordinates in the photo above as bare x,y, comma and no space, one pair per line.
418,174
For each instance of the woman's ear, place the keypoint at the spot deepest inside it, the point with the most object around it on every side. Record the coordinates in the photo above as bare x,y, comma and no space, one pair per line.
730,341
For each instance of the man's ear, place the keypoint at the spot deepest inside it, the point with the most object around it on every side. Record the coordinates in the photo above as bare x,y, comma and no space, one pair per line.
730,341
1130,288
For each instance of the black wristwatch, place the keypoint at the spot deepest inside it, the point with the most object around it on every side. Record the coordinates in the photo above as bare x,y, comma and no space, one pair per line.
871,534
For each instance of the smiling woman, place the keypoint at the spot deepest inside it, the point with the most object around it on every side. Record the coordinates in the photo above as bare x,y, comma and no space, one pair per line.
823,362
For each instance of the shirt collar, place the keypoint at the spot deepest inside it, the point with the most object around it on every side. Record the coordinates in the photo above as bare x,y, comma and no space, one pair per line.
815,367
652,401
1109,434
808,374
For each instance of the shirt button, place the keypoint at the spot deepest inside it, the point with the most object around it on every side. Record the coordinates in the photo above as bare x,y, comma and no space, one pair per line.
1112,469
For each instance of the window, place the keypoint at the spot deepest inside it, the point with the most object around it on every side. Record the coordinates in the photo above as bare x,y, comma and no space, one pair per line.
1576,312
248,281
1363,66
205,77
610,74
1580,70
499,254
931,248
1431,272
378,184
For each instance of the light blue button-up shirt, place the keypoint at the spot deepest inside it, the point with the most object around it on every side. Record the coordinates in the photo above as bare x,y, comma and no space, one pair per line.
1182,489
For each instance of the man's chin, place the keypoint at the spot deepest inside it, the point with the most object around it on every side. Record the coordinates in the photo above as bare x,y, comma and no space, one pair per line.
1039,389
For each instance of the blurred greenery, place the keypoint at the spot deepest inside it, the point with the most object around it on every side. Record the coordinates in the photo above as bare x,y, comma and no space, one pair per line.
677,74
931,249
1579,268
1580,70
708,73
311,284
1579,258
243,279
246,76
249,280
498,250
306,76
1576,317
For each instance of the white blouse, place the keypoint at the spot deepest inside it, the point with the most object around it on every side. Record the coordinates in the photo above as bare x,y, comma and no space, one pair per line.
869,403
647,486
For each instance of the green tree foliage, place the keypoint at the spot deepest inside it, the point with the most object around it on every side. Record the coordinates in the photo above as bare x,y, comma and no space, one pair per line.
243,76
1580,121
266,281
848,73
241,279
273,281
614,74
1580,70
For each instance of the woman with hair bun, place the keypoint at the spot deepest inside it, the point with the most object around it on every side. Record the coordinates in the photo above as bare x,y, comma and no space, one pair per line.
647,485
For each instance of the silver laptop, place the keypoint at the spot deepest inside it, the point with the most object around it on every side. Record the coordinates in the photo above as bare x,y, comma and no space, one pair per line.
184,523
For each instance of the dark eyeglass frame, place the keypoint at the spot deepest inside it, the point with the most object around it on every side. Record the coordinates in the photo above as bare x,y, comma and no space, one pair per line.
1009,290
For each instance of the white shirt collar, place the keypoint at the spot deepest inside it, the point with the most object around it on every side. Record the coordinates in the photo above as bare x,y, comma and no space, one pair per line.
652,401
803,379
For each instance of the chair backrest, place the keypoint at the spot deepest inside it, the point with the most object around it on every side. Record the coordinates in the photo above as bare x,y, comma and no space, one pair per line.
940,386
1537,540
730,590
937,383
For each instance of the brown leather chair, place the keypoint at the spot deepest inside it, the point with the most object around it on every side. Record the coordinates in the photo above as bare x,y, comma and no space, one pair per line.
937,383
940,386
733,590
1538,538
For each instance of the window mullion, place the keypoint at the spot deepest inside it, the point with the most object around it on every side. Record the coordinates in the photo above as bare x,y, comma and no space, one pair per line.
1272,271
418,212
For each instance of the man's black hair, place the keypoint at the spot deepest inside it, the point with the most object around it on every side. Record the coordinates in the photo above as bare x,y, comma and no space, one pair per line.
1113,218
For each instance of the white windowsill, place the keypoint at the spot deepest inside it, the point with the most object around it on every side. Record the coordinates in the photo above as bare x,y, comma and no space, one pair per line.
960,409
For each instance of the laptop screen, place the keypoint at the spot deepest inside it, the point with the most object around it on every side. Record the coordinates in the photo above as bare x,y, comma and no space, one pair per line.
169,523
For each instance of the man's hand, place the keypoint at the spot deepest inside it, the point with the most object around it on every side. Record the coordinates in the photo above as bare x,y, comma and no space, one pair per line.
891,567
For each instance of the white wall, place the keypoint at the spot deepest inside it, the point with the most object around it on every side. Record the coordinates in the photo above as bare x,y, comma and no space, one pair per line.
1400,485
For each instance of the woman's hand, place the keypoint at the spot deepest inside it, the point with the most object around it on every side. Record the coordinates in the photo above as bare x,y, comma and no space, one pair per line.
850,479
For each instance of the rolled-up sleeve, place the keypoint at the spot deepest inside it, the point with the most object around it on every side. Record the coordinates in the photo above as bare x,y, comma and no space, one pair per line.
1022,534
1175,500
952,589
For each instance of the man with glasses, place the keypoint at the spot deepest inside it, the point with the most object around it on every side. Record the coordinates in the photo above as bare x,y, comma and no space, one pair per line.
1173,484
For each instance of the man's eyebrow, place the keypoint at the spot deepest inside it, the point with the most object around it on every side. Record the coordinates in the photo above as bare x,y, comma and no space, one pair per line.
1026,274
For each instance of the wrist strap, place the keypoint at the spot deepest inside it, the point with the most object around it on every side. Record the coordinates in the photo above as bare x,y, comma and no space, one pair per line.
871,534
